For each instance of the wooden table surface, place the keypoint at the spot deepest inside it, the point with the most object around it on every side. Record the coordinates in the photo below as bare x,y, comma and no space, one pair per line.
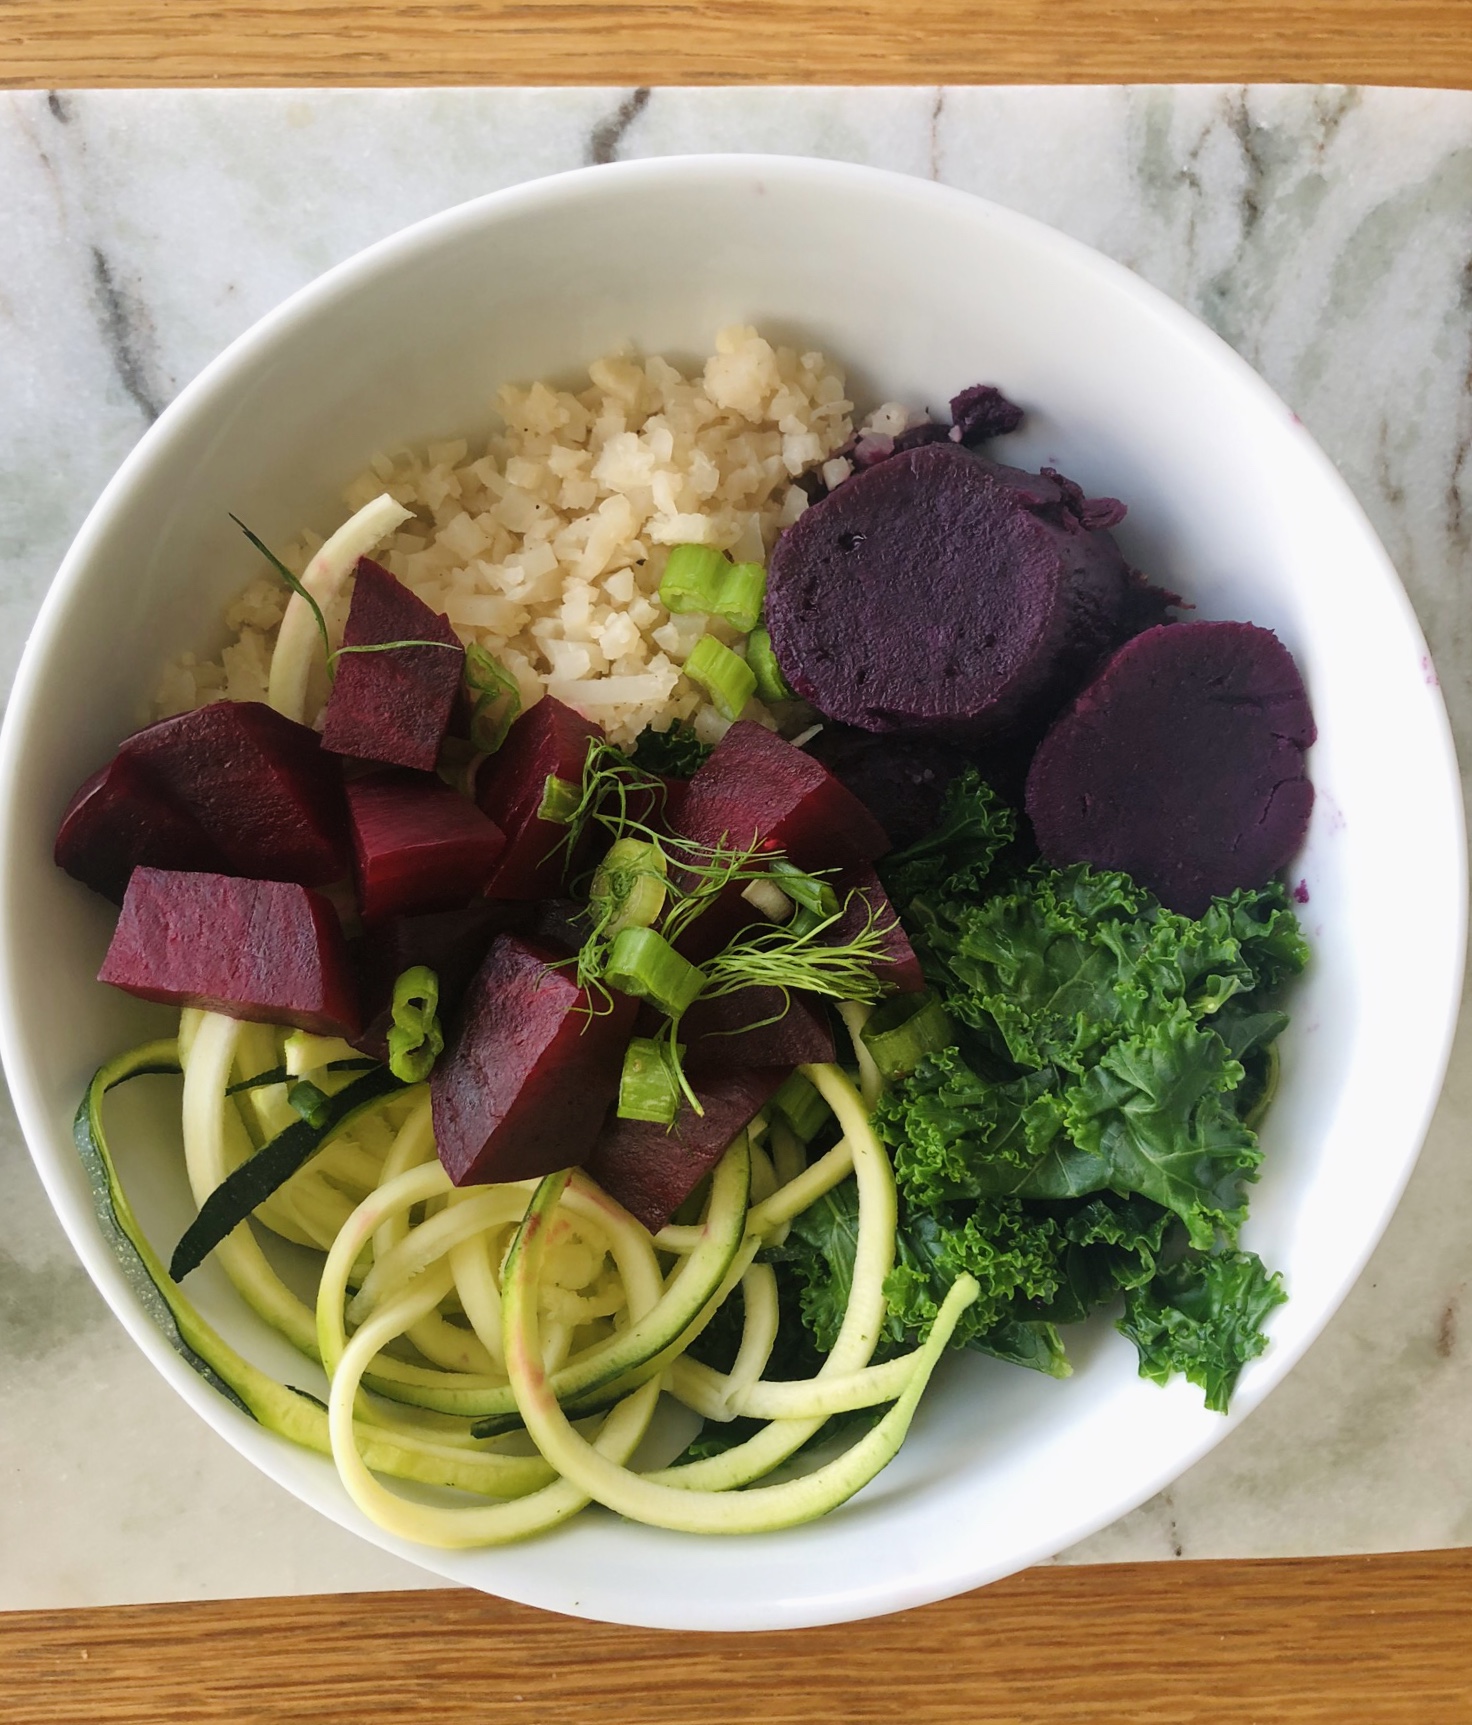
1354,1641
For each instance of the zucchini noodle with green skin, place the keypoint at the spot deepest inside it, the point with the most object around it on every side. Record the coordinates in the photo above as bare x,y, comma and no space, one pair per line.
448,1322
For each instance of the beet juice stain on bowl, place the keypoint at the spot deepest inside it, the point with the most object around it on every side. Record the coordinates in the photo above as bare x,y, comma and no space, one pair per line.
957,1491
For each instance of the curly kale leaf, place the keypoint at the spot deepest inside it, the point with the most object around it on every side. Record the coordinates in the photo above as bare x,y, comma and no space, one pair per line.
1202,1316
1109,1244
676,753
975,827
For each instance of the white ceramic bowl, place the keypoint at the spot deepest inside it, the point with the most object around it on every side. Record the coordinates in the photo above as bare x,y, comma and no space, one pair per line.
916,290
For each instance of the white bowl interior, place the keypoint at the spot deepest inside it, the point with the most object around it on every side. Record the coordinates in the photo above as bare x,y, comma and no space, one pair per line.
917,291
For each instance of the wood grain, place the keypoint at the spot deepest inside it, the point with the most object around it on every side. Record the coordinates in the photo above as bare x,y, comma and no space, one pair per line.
74,43
1363,1641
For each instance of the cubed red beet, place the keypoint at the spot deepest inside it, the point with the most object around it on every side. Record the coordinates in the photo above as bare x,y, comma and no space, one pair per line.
548,741
453,943
524,1083
757,790
940,591
860,893
651,1170
121,819
418,845
271,951
1182,764
257,784
392,706
754,1027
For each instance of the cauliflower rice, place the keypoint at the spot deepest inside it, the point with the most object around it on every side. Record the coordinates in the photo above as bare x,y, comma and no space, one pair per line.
546,547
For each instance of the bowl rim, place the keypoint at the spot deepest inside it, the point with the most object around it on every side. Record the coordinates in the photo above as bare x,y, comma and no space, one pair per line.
305,304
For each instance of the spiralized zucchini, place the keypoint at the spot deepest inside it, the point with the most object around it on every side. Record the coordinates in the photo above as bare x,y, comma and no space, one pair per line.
446,1320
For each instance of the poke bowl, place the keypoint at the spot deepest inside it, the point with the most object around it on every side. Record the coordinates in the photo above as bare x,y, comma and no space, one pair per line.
864,295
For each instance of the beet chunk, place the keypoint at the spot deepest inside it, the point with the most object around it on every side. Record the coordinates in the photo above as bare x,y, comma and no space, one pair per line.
417,844
523,1085
757,790
453,943
394,706
862,896
265,950
1181,764
549,741
982,412
119,820
943,592
732,1033
901,780
257,784
651,1170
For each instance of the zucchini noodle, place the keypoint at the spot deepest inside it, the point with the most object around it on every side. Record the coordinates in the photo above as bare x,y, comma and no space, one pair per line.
447,1319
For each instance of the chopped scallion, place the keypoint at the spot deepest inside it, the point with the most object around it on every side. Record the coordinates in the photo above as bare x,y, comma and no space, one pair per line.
415,1040
644,964
561,800
725,676
801,1106
628,888
647,1089
903,1029
742,590
771,685
692,578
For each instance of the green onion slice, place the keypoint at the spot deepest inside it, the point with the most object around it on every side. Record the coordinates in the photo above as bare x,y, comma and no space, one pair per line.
725,676
771,685
495,697
644,964
801,1106
415,1039
742,590
902,1030
628,888
647,1088
561,800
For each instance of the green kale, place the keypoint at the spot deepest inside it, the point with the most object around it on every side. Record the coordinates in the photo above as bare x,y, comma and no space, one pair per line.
1202,1316
676,753
975,827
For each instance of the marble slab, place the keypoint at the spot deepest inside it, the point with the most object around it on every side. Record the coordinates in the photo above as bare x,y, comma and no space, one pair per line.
1325,233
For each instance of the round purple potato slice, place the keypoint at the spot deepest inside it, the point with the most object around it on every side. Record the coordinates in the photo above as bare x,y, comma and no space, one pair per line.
940,591
1182,764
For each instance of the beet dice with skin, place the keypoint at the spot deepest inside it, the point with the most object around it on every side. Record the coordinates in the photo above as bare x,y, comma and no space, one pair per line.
453,943
258,785
270,951
756,790
940,591
1182,764
731,1033
524,1082
418,845
392,706
651,1170
120,820
549,741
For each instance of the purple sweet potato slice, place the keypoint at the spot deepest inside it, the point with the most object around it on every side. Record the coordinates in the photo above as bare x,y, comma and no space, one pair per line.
901,780
120,819
981,413
862,897
550,740
453,943
651,1170
257,784
1182,764
270,951
524,1083
756,790
418,845
943,592
733,1033
393,706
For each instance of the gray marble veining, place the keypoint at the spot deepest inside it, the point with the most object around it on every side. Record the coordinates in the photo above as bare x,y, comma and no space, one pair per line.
1325,233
